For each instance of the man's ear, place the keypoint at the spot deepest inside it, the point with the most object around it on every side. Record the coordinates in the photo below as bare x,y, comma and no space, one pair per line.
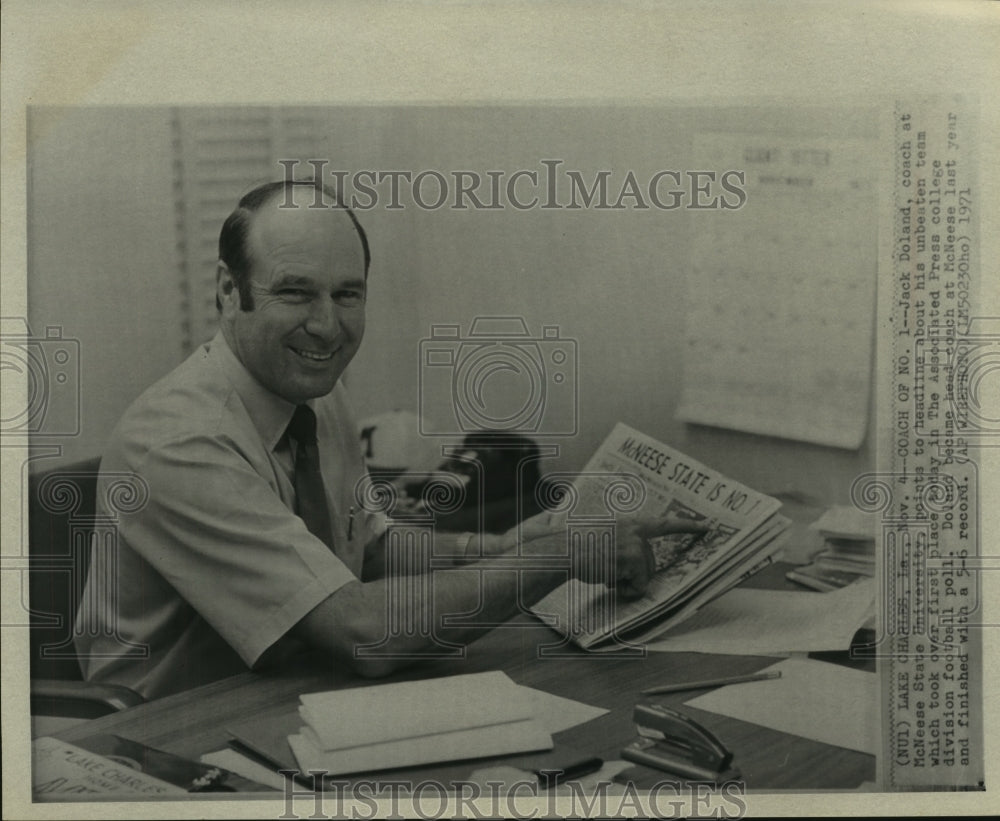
226,292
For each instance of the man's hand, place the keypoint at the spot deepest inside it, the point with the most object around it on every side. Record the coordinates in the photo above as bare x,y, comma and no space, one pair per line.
634,562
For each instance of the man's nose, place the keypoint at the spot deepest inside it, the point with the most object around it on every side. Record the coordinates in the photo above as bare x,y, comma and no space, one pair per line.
324,319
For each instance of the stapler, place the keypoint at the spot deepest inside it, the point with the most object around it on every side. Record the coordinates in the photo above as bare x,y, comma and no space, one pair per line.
675,743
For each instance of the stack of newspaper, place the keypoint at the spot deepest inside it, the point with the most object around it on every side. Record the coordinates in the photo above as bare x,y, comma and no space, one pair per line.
633,475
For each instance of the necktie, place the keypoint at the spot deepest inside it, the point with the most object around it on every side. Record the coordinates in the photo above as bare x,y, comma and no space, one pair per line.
310,495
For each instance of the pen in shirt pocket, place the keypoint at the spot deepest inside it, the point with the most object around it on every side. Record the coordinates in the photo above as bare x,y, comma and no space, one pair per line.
350,523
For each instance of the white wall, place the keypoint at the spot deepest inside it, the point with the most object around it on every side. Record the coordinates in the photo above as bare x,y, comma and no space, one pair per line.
101,254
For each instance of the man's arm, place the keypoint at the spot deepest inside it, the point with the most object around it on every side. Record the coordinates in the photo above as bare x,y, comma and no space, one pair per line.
461,549
358,613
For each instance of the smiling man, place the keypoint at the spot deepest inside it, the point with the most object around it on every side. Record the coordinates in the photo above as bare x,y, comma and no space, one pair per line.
274,265
250,546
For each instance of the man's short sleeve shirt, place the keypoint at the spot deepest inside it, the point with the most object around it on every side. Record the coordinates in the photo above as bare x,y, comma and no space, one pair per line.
215,568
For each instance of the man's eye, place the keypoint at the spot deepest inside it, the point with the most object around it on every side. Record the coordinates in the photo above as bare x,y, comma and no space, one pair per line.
294,293
349,298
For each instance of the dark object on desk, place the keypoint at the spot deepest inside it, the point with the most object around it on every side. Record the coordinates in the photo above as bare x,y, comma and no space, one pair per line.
860,655
675,743
549,777
193,776
502,479
61,524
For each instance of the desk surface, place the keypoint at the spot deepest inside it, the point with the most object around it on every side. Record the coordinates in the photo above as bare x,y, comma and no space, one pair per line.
194,722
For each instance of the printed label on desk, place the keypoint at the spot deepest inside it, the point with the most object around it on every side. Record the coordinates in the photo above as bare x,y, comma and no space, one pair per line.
935,354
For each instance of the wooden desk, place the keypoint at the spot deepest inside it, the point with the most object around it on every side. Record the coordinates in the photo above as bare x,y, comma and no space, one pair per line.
194,722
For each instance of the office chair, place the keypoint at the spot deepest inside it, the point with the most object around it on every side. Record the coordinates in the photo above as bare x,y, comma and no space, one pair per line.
62,523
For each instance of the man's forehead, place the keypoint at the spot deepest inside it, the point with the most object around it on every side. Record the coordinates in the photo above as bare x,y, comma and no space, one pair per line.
283,223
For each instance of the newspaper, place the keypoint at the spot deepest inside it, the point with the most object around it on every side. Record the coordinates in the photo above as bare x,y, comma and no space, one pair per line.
60,769
743,536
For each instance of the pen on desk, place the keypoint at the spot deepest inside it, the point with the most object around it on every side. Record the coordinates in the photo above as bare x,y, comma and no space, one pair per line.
712,682
550,776
350,523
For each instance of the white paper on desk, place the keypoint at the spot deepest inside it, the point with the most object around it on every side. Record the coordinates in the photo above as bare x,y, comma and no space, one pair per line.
846,522
424,721
523,736
813,699
555,713
773,622
361,716
241,765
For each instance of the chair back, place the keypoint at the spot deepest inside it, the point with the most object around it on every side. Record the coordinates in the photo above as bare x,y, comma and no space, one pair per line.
61,515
